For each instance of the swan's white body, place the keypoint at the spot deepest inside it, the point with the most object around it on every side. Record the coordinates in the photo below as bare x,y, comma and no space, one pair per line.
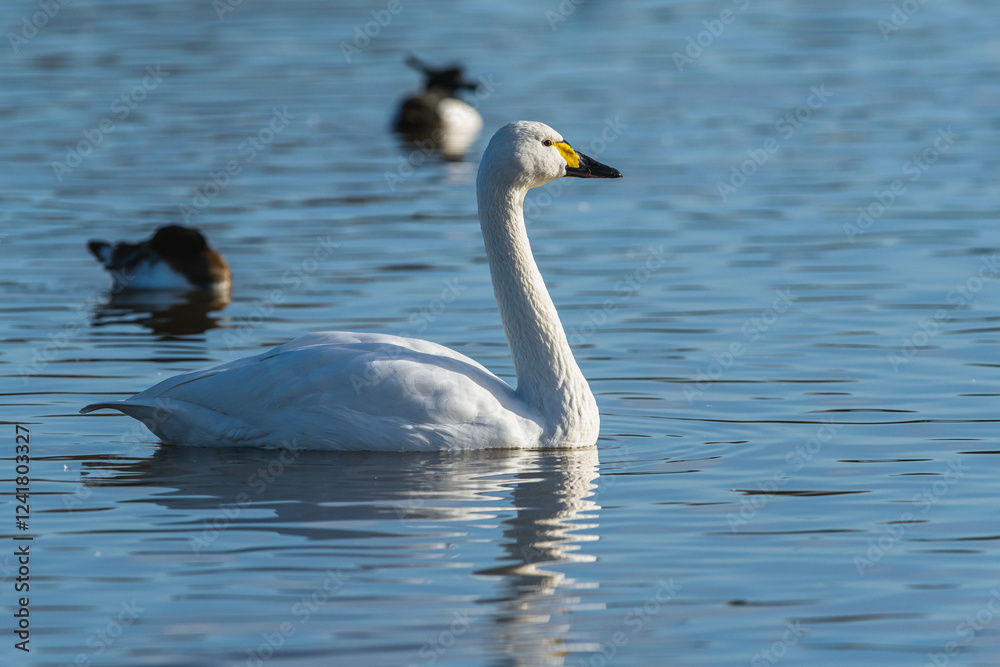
355,391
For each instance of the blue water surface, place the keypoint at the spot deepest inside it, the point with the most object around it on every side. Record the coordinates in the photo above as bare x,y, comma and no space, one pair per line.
787,309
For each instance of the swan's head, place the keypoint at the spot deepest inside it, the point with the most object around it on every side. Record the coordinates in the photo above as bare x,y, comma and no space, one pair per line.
527,154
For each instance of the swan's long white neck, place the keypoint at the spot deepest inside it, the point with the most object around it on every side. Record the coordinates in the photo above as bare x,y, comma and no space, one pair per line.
548,377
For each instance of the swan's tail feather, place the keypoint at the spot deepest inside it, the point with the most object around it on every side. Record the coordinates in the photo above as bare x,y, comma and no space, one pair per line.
114,405
175,421
156,415
149,415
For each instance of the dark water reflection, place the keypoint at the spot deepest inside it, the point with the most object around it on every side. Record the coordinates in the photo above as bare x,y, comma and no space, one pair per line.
166,314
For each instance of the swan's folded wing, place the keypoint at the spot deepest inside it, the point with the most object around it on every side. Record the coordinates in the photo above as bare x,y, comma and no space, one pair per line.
334,389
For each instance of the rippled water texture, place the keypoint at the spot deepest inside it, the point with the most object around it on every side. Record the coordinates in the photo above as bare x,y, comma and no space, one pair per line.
788,310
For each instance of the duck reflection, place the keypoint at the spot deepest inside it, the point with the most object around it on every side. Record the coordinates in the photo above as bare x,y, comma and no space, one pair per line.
354,496
166,313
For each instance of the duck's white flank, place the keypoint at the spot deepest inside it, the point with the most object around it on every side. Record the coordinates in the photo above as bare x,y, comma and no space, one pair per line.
151,273
355,391
460,126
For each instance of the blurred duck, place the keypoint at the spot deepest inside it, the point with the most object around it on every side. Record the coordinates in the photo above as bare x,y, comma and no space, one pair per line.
437,115
175,258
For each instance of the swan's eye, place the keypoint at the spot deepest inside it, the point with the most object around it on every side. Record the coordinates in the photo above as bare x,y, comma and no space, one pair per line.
546,142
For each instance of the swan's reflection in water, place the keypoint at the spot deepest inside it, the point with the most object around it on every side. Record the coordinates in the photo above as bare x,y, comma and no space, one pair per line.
553,507
349,503
165,313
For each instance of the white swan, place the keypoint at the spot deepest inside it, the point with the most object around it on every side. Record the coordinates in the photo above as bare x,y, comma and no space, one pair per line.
360,391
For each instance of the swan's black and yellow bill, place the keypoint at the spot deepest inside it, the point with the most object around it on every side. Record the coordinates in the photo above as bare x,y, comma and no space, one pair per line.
584,166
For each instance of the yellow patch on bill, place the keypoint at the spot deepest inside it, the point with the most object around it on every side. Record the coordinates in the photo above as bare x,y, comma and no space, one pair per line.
572,159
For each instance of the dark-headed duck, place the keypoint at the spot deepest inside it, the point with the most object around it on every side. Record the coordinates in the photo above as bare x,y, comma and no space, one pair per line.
177,258
437,114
